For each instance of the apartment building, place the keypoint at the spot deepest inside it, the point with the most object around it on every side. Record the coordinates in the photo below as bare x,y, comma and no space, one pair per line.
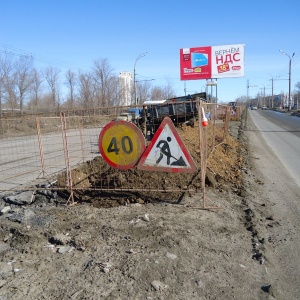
126,88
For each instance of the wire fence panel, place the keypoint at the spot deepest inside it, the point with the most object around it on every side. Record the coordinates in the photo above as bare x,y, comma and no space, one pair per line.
38,151
64,149
20,160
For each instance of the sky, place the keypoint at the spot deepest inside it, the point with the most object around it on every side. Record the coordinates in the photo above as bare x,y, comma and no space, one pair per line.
73,34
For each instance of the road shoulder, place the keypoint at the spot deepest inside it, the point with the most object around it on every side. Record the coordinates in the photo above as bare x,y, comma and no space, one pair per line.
276,196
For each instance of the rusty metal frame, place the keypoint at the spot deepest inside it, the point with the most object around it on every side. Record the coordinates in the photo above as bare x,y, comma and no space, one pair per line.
71,187
67,157
38,127
203,158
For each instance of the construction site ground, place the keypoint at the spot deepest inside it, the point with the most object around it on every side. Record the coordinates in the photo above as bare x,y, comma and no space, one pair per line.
117,247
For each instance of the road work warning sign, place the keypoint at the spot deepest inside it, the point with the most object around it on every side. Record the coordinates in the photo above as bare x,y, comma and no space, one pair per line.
167,152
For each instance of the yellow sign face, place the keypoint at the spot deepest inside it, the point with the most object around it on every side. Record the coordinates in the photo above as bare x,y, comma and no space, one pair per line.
121,144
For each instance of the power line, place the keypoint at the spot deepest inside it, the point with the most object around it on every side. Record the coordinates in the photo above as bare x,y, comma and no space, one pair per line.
15,52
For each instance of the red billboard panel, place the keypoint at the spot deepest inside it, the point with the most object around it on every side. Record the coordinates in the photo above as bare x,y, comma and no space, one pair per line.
212,62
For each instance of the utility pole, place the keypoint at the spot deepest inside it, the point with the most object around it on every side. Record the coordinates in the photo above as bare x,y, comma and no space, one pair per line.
272,103
248,86
247,89
290,79
290,76
134,75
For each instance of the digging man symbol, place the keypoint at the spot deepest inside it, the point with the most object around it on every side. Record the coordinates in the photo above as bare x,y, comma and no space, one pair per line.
165,150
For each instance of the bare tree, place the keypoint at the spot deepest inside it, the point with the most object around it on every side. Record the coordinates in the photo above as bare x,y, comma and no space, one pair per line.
35,88
10,87
157,93
86,89
100,87
52,77
297,95
113,92
5,68
71,79
23,78
168,91
297,91
103,74
143,91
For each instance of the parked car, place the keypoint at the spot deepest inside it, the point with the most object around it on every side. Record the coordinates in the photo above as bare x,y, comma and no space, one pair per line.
125,117
264,107
254,107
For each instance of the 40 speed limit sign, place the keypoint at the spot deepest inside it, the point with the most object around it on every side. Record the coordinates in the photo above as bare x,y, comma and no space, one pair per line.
121,144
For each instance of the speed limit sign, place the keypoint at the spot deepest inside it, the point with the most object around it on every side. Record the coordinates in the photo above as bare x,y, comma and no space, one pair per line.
121,144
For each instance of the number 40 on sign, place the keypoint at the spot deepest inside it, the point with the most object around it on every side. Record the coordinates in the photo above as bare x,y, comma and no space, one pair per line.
121,144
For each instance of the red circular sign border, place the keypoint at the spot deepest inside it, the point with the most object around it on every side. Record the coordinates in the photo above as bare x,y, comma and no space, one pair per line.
137,131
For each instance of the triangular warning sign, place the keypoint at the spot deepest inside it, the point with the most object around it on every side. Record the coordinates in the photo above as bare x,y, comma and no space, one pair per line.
166,152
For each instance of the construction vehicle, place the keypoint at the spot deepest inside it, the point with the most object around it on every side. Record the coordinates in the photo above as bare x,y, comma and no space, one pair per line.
181,110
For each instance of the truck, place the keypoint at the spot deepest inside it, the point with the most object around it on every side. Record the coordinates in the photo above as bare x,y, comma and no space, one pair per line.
181,110
135,112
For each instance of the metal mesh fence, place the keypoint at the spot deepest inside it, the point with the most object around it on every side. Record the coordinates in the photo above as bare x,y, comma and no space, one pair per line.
64,151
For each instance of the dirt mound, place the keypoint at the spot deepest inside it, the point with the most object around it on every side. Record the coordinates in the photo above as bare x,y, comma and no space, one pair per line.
151,248
103,186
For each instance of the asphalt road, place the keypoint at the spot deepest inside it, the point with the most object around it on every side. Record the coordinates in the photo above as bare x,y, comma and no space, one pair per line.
281,131
274,141
21,162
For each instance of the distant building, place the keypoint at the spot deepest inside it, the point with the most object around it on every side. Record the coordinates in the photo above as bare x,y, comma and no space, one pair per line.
125,86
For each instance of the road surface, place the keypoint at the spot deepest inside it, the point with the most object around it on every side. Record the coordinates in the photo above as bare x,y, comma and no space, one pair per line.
27,160
274,140
282,133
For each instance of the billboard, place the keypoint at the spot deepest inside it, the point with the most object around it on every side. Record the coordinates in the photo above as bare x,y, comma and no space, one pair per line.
212,62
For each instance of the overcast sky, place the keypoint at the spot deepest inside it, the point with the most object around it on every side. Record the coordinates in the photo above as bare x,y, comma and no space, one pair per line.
72,34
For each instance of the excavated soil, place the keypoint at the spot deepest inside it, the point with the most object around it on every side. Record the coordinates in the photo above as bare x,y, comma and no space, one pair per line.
224,164
142,244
